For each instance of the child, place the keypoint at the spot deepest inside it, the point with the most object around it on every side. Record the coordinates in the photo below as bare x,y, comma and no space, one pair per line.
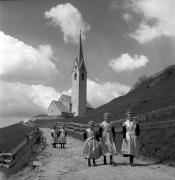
130,138
107,134
54,134
62,133
91,145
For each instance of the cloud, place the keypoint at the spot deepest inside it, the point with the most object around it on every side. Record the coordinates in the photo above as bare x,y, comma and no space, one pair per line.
23,63
127,63
158,19
99,93
127,17
146,33
22,100
70,20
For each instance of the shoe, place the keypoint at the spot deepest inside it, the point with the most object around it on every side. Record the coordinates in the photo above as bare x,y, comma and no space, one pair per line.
104,162
132,164
94,163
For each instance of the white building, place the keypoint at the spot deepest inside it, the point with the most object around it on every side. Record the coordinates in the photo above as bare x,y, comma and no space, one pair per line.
76,104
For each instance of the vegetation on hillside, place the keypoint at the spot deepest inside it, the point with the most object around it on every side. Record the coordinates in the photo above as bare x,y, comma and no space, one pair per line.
11,136
150,94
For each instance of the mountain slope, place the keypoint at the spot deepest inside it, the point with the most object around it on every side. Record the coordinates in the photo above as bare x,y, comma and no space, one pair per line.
153,93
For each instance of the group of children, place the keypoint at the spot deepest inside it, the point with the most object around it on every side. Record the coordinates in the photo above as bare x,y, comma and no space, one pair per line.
59,136
100,142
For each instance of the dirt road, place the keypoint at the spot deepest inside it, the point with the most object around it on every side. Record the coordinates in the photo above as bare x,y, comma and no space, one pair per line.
69,164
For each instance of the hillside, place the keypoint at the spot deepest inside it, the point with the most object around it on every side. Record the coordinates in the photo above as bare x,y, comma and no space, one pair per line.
11,136
153,93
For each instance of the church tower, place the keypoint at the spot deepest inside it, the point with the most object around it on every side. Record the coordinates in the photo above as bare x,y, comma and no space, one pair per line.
79,84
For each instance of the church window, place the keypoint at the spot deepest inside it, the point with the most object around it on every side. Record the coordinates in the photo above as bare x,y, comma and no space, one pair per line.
82,76
75,76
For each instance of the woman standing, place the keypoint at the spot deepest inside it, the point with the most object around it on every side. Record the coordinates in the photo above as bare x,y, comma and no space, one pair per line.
130,138
54,134
107,134
91,145
62,133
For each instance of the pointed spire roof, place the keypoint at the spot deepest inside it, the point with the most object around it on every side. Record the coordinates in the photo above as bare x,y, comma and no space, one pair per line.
79,62
81,58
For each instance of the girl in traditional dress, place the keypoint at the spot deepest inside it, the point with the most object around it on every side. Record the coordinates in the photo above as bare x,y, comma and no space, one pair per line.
54,134
62,133
107,134
91,145
130,138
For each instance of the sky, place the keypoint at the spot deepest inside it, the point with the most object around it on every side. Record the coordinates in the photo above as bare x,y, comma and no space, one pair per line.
122,41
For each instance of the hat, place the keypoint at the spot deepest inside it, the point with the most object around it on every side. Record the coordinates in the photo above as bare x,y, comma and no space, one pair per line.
91,123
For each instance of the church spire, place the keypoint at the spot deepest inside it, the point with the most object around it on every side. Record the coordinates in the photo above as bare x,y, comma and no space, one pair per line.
81,58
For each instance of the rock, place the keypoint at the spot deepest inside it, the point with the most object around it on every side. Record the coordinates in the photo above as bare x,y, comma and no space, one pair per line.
36,164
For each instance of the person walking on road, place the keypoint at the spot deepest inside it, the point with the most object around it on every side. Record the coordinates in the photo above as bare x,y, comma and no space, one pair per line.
54,134
107,135
131,133
91,145
62,133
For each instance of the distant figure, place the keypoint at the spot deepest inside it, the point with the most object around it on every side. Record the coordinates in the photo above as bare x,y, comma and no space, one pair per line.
91,145
62,133
54,134
130,138
107,134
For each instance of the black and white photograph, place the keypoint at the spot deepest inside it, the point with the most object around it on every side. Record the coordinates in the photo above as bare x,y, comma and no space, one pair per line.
87,89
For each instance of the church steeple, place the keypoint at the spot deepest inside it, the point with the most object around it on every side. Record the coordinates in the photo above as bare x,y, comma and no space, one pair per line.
79,84
81,63
81,58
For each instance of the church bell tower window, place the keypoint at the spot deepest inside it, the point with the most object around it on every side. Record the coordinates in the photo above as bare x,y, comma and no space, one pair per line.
82,75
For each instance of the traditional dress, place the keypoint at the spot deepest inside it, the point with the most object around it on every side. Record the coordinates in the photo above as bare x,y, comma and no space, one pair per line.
130,134
91,145
54,134
107,134
62,136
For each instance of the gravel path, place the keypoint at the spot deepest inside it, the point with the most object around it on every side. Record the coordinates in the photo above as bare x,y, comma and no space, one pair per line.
69,164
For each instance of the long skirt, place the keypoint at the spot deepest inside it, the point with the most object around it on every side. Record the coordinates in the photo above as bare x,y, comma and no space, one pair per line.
108,147
62,139
55,139
130,146
92,149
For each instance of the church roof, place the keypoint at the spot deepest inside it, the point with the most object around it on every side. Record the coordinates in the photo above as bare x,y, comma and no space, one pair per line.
60,106
66,98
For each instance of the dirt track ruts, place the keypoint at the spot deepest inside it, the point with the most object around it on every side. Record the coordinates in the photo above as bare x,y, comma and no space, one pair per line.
69,164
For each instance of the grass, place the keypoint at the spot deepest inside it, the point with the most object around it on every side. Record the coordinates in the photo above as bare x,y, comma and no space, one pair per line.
11,136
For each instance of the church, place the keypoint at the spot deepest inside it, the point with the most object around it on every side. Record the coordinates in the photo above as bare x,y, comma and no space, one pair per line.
76,104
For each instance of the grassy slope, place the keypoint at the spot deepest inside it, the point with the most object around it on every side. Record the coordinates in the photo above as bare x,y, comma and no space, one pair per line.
11,136
141,100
